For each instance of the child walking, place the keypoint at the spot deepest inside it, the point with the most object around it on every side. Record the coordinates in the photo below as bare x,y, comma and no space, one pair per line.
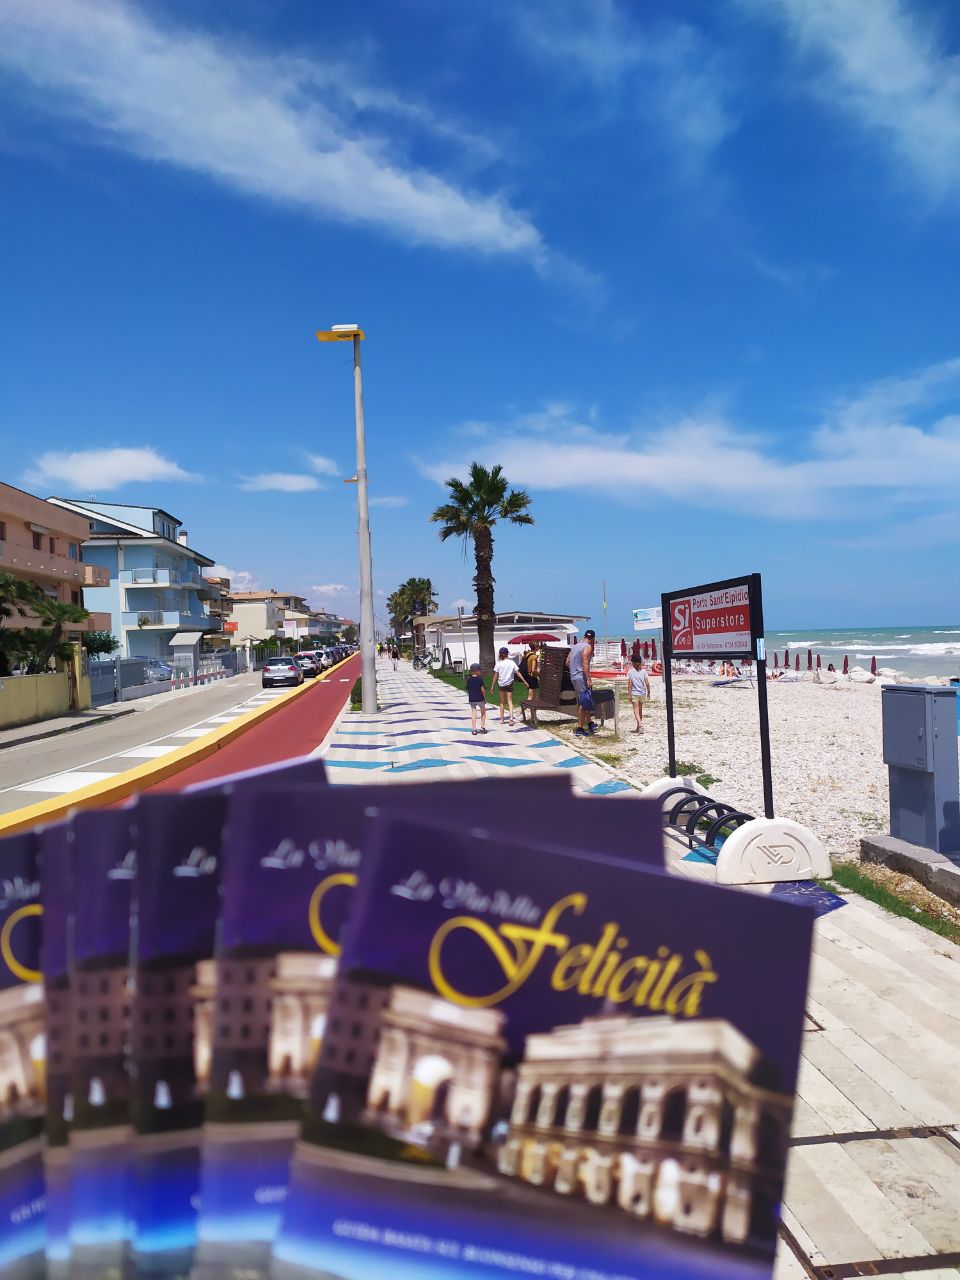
477,699
639,685
507,672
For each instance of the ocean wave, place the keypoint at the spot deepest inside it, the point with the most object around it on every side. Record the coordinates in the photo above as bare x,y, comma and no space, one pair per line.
946,633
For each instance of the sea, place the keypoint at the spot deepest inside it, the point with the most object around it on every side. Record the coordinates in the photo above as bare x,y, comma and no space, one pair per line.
912,651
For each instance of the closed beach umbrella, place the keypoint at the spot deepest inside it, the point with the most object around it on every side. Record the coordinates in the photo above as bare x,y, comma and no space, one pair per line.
653,650
873,666
798,662
818,662
786,657
623,649
809,659
646,649
776,660
846,665
635,651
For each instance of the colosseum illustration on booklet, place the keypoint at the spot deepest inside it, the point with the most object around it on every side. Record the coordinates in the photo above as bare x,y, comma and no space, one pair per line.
535,1062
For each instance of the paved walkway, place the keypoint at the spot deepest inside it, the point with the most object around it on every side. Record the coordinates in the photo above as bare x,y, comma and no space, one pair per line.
874,1177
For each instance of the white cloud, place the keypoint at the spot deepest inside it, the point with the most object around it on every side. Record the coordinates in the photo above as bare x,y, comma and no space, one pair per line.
323,466
100,470
279,482
284,129
864,450
389,500
330,589
881,63
240,579
466,605
662,72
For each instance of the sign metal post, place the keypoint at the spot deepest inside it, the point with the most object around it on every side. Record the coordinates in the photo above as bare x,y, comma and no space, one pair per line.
718,620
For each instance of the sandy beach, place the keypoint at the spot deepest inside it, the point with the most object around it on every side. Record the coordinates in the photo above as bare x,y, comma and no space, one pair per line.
826,746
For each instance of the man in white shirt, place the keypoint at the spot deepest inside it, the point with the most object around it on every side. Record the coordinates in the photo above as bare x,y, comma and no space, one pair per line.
638,683
507,672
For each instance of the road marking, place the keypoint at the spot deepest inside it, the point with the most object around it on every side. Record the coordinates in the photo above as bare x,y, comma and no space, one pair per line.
198,731
147,753
60,783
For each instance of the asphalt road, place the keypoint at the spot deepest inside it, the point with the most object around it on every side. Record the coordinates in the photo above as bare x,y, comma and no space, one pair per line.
101,747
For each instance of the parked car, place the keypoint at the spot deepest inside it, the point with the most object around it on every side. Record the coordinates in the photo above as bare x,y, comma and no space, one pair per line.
307,664
280,671
154,671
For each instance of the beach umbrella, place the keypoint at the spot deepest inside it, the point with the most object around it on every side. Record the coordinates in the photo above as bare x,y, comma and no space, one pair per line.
809,659
798,662
653,650
873,666
623,649
818,662
776,660
635,651
846,665
786,657
646,649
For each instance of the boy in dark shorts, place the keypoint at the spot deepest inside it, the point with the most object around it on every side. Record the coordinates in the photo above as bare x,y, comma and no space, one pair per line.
477,698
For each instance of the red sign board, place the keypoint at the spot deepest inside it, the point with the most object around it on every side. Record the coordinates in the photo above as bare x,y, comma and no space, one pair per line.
712,622
230,626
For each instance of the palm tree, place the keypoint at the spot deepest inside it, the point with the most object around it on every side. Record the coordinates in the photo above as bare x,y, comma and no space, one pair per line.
18,598
49,640
472,512
413,598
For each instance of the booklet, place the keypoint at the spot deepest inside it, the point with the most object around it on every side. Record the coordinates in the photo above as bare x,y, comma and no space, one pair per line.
22,1107
287,884
98,1106
536,1063
298,770
57,898
177,887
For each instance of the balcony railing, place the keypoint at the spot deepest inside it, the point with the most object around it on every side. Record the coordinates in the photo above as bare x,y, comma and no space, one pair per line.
167,619
96,575
26,562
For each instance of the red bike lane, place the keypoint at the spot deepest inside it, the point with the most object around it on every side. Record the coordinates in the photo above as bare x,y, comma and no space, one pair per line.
295,730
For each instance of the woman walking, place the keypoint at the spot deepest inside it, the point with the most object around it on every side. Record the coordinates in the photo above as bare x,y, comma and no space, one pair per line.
507,673
639,685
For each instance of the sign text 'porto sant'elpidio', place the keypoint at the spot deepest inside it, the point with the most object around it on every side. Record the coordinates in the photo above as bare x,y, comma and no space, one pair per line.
712,622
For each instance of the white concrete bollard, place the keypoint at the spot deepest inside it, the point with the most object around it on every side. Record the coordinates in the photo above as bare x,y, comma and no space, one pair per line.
768,850
656,789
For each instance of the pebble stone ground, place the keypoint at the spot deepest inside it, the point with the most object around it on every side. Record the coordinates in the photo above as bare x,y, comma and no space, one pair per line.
873,1185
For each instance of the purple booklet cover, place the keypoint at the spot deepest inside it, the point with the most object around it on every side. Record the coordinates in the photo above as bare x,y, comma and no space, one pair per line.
300,770
98,1105
57,898
22,1227
177,887
547,1065
288,880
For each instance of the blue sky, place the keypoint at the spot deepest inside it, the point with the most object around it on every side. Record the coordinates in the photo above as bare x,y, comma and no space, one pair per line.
688,271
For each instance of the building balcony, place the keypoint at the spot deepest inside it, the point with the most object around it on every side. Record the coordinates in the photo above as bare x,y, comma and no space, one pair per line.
24,562
167,620
150,577
96,622
96,575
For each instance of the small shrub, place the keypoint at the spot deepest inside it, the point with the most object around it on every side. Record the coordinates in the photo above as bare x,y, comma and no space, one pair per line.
706,780
356,694
609,757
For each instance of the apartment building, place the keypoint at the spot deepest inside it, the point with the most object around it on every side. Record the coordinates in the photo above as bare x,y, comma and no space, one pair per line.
155,591
44,545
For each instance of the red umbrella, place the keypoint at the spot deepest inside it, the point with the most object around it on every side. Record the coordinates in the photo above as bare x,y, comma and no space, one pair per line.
646,649
846,665
809,659
623,649
818,662
786,657
535,637
653,650
873,666
776,660
797,668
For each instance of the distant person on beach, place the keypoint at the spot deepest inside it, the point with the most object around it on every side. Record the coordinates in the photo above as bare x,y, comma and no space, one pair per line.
477,698
638,683
507,673
395,655
578,662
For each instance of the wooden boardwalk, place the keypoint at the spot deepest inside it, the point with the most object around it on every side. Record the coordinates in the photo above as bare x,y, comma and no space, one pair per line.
873,1185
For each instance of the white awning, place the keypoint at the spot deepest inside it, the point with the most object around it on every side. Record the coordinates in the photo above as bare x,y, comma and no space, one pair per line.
185,637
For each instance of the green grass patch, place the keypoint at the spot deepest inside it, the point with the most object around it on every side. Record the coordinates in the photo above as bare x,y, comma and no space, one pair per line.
848,875
457,681
609,757
356,694
706,780
685,768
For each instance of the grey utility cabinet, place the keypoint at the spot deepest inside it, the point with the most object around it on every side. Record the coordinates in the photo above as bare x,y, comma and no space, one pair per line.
920,751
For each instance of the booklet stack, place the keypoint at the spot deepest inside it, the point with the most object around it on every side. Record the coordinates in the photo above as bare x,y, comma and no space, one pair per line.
271,1028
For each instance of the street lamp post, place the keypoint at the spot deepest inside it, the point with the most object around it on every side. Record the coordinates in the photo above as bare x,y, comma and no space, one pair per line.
368,664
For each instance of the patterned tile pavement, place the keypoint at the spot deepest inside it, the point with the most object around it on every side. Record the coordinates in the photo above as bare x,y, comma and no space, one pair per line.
420,714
